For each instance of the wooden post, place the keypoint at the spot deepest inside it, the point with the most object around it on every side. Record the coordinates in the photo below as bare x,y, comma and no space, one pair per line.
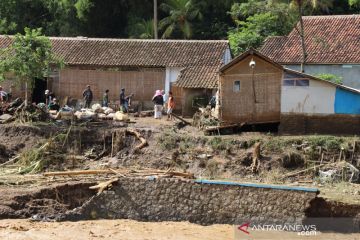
112,144
155,20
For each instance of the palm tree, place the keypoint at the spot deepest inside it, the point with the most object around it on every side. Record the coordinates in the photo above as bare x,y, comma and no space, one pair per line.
181,13
144,29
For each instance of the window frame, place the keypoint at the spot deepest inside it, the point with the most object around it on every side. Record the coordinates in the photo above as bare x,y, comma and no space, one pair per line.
233,86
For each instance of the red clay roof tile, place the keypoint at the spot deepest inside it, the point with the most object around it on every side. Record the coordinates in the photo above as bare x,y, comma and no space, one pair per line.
329,40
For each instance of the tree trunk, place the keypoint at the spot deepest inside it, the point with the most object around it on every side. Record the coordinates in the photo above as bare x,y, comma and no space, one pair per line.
155,20
302,36
26,93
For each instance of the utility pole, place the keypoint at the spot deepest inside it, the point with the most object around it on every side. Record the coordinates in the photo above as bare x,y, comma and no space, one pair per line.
155,20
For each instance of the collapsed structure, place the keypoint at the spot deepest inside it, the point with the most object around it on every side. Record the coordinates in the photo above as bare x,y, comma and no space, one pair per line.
189,68
256,90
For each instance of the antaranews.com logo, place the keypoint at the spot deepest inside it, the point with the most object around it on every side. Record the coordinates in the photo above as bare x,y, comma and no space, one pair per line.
299,229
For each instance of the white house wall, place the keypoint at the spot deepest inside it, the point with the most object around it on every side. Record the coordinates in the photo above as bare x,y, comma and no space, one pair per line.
318,97
171,76
350,73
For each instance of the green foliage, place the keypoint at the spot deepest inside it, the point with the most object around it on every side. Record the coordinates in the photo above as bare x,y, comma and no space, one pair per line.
329,142
83,8
261,21
198,19
28,57
181,14
219,144
141,28
354,3
330,77
168,140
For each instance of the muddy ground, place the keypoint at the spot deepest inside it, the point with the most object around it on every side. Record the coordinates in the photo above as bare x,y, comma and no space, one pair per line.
24,192
130,230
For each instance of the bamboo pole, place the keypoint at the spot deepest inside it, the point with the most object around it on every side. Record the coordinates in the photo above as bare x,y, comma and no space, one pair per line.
82,172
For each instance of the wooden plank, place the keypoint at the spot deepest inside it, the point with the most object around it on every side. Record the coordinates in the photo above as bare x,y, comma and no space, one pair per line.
180,118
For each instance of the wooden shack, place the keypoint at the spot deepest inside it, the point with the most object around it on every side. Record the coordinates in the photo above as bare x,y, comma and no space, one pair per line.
250,93
256,90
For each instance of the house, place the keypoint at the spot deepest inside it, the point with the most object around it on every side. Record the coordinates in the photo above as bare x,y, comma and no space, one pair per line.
256,90
332,44
189,68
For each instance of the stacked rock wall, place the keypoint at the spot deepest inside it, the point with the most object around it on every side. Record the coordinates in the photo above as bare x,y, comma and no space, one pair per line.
202,202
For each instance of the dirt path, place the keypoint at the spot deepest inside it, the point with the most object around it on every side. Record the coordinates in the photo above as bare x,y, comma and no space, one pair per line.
128,229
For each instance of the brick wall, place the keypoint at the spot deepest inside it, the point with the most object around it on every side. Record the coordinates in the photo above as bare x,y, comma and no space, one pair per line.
339,124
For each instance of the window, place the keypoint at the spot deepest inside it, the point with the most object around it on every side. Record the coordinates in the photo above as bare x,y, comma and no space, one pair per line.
302,82
296,82
288,83
236,87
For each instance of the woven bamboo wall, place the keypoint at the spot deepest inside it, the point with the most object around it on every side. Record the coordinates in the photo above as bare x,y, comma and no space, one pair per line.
9,86
178,97
143,83
237,107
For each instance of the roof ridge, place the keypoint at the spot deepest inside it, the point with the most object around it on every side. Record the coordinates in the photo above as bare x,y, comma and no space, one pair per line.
333,16
80,38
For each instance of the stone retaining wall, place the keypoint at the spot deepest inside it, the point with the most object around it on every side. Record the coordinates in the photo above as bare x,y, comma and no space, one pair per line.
201,202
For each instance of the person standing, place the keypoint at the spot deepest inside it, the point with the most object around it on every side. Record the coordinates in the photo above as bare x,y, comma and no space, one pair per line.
122,100
48,97
105,101
165,97
158,101
128,102
170,106
3,95
88,96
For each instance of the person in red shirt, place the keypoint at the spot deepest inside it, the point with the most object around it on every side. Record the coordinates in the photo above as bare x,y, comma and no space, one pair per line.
170,106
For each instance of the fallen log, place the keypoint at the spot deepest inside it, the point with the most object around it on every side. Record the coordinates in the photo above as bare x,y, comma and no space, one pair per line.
180,174
10,161
83,172
103,185
180,118
143,141
305,170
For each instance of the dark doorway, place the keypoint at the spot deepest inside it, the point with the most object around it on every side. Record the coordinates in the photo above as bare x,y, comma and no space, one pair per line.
38,94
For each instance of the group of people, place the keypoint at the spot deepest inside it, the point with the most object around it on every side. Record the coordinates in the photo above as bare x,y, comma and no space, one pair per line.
125,101
162,100
51,102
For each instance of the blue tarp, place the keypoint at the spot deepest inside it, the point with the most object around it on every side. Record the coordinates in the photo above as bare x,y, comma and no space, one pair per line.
346,102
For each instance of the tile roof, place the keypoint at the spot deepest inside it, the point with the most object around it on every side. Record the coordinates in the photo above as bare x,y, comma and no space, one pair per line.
201,59
329,40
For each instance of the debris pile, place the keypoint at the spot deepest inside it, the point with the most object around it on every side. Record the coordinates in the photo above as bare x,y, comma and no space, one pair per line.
204,118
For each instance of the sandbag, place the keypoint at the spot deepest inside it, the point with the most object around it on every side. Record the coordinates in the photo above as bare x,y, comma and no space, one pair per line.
108,110
120,116
97,108
85,114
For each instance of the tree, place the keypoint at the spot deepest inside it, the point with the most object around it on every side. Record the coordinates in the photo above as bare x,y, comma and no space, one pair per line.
260,21
28,57
181,14
354,3
300,5
142,29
